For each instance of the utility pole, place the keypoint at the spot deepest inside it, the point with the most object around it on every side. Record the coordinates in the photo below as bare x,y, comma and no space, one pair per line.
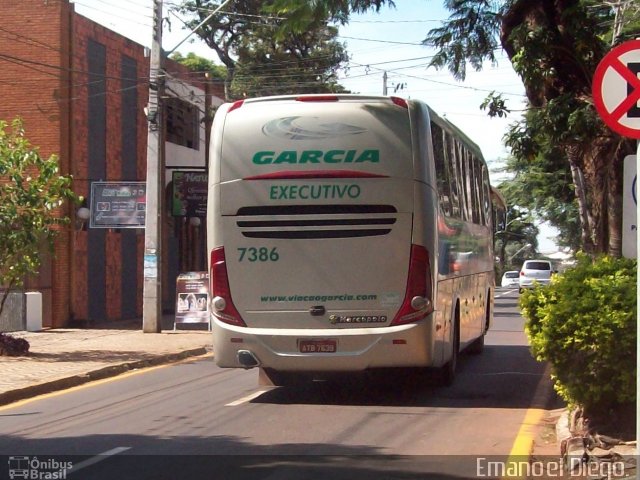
384,83
152,291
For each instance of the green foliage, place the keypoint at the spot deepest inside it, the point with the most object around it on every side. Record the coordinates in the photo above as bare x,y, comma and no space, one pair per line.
276,46
495,105
469,35
196,63
543,186
31,192
584,325
299,63
301,14
518,239
555,48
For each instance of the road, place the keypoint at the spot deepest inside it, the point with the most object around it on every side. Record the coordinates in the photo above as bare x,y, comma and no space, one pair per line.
195,420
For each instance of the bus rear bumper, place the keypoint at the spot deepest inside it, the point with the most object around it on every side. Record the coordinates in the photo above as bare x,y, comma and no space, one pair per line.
353,349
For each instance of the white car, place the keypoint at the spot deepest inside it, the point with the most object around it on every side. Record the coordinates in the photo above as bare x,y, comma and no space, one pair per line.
535,271
510,278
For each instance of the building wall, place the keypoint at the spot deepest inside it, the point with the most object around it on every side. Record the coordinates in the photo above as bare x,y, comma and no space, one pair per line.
81,90
109,129
34,80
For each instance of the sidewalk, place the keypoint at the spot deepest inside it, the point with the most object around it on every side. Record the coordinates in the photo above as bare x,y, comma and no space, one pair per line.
64,357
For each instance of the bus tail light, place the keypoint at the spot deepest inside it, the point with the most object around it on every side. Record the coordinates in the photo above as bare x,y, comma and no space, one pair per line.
235,105
317,98
401,102
417,302
221,304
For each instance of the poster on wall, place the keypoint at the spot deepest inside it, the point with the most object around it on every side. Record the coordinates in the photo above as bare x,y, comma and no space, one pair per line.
189,197
192,298
118,204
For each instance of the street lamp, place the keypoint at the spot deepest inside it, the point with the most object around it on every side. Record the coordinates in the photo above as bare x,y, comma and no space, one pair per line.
528,245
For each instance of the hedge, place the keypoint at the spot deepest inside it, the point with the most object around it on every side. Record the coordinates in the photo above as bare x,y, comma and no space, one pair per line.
584,325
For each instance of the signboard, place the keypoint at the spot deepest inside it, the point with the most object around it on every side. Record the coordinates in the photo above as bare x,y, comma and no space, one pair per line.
192,298
616,89
118,204
629,208
189,197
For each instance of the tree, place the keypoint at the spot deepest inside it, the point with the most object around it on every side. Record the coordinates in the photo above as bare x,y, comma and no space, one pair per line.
31,192
518,236
300,63
555,47
543,187
300,14
279,39
196,63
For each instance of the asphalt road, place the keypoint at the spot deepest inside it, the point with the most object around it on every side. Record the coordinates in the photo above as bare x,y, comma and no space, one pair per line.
195,420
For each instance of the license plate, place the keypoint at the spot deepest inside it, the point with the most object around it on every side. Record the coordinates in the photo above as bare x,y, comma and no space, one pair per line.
318,346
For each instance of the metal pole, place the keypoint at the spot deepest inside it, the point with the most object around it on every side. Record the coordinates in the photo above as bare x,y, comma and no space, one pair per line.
152,290
637,303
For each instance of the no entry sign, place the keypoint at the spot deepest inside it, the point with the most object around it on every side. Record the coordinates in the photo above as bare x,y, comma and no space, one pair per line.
616,89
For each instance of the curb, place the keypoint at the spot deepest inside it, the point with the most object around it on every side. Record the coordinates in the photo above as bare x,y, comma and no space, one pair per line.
563,431
99,374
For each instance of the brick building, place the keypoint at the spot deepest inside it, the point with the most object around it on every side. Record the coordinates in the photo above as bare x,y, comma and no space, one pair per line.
81,90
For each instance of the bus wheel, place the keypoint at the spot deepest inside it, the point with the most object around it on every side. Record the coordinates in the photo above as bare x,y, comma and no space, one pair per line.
448,371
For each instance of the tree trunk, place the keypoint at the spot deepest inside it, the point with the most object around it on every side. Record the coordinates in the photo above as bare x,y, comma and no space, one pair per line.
4,294
581,195
231,70
614,201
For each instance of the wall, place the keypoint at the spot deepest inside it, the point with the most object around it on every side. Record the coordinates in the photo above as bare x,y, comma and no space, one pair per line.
34,74
81,90
111,88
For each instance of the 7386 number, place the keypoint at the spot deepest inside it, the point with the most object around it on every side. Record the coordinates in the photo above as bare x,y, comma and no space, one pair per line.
261,254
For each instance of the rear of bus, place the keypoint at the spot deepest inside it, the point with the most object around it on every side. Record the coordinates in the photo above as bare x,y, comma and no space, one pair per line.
318,234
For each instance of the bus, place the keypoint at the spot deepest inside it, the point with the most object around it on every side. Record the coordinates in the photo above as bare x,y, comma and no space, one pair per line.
346,233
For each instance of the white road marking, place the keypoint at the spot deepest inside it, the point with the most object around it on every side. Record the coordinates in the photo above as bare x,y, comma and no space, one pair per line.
505,293
98,458
247,398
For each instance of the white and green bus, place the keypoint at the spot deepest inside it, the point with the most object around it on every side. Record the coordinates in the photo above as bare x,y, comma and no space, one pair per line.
346,233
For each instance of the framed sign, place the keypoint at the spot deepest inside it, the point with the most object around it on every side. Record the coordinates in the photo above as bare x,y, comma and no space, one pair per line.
118,204
192,298
189,197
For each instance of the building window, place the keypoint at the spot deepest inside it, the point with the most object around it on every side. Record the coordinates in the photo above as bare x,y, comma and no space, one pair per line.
183,127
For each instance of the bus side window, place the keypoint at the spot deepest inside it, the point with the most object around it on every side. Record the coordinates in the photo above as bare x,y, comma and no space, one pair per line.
478,171
455,176
486,189
442,172
467,212
476,188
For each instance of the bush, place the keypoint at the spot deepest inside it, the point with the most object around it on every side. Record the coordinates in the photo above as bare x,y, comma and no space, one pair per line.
584,325
12,346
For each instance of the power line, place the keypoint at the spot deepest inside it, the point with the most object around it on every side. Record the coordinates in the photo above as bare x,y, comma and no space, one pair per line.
395,21
444,83
122,17
391,42
27,40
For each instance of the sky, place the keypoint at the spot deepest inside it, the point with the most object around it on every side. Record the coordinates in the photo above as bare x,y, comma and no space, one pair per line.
388,41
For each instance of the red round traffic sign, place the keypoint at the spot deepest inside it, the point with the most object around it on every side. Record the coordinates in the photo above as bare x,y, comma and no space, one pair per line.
616,89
